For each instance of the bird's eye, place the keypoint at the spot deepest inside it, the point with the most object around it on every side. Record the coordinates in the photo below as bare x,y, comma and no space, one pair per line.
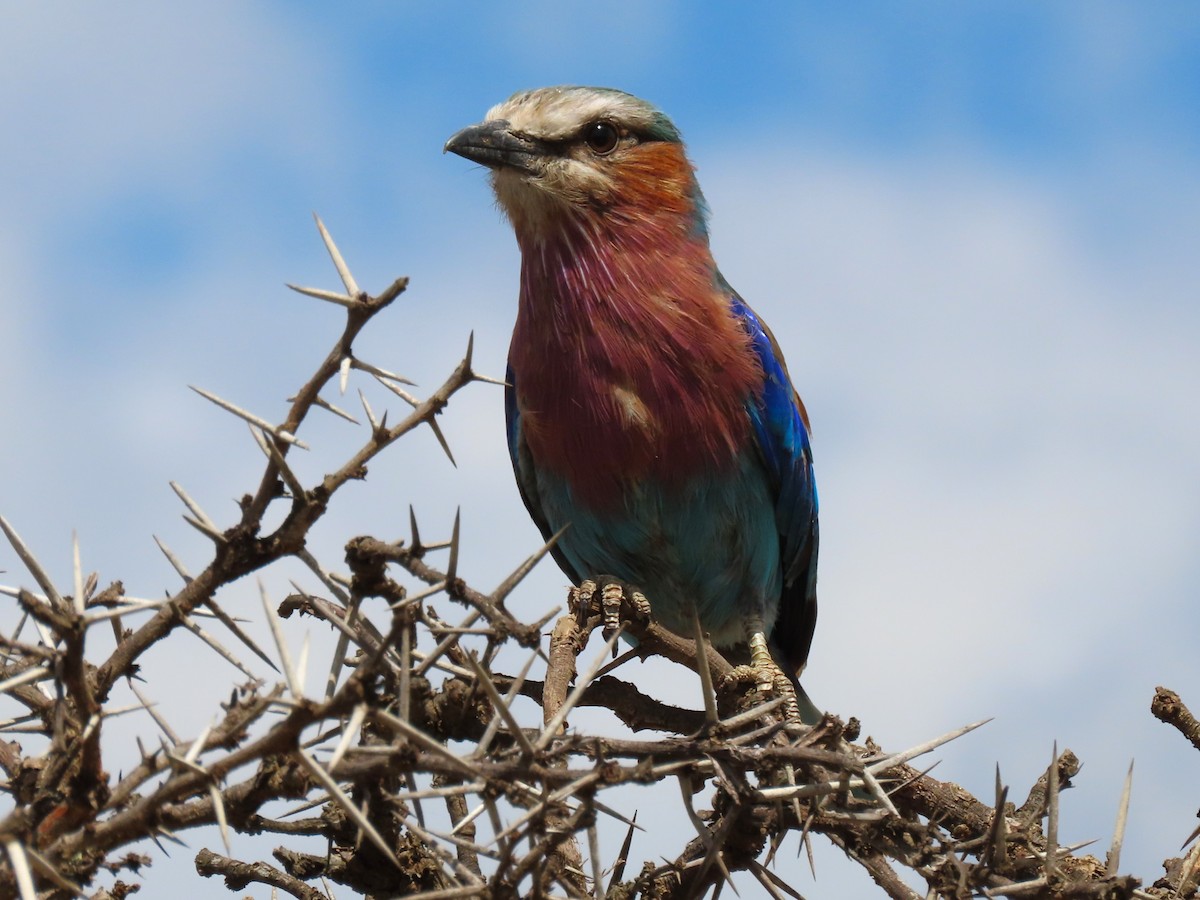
601,137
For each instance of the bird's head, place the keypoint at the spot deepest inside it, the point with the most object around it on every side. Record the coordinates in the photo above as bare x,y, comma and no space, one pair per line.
563,153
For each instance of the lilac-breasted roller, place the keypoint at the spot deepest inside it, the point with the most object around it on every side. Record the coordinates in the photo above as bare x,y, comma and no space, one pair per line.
649,408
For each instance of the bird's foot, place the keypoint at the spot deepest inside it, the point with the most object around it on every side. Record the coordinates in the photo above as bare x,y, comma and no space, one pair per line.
612,595
764,673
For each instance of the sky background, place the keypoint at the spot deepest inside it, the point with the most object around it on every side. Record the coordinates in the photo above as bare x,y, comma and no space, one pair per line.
974,229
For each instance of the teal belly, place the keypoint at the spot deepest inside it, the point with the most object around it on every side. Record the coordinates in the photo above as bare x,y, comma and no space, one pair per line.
712,541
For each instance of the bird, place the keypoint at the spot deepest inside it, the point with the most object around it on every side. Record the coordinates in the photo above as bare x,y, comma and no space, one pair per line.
650,415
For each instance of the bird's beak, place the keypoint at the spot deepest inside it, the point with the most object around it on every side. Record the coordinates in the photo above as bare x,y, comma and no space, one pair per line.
495,145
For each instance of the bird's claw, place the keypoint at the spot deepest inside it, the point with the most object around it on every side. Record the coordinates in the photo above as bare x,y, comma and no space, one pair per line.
579,598
612,595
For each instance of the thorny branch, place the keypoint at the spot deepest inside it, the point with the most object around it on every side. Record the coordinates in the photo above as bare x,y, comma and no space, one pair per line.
419,769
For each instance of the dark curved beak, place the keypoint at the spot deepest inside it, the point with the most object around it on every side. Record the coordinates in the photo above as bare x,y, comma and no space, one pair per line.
495,145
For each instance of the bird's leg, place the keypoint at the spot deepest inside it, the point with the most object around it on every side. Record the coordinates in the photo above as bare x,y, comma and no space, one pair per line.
767,674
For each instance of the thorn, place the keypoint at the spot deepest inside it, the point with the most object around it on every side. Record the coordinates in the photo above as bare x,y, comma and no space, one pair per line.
417,598
20,867
1114,852
420,738
441,439
250,417
329,296
211,533
285,471
158,720
302,662
879,793
489,688
415,543
382,374
28,676
544,620
597,863
43,865
399,392
446,643
452,566
281,645
216,645
338,263
192,505
197,747
510,695
622,857
30,561
518,575
357,717
78,573
706,685
329,407
173,560
222,821
348,806
806,843
344,374
367,409
773,884
470,350
996,854
889,762
488,379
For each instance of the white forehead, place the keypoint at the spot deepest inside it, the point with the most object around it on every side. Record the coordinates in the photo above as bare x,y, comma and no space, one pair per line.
556,113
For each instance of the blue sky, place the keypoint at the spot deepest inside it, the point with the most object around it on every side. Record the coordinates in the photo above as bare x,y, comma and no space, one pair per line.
973,228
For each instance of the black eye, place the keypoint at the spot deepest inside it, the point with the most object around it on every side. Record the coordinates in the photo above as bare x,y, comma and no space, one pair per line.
602,137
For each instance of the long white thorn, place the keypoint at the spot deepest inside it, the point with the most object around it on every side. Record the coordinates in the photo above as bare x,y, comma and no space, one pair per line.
501,707
178,566
250,417
222,822
328,296
348,806
194,507
338,263
20,867
77,571
380,373
31,563
35,674
272,453
351,729
706,684
329,407
197,746
889,762
158,720
1114,852
285,658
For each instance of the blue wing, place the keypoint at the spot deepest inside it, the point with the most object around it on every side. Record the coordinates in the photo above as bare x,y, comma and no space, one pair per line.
781,429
